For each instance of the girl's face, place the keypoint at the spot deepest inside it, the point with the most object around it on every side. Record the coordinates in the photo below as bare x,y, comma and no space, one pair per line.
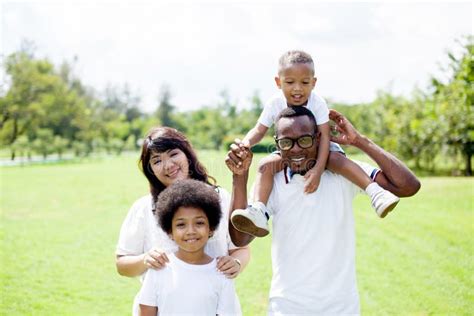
190,229
170,166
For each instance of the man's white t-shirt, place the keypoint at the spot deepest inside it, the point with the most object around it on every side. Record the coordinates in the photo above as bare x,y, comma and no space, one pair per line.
187,289
313,246
277,103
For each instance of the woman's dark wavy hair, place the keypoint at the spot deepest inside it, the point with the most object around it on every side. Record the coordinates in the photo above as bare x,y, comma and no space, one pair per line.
161,139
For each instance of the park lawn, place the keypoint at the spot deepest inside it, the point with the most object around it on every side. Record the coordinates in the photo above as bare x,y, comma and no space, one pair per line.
60,223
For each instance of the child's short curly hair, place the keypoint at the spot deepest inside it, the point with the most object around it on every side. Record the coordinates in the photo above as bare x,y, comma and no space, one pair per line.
188,193
294,57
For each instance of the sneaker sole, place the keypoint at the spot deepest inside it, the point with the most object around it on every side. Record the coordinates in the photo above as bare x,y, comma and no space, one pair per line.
244,225
389,209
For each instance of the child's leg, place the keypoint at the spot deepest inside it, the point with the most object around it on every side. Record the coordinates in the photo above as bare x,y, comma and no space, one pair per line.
383,201
254,219
340,164
267,168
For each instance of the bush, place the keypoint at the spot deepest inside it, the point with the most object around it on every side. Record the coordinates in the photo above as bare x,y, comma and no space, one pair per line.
267,145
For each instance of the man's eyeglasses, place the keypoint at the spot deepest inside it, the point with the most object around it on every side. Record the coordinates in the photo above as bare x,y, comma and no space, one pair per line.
305,141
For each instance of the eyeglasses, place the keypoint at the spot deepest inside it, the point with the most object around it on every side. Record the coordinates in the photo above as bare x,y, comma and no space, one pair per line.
305,141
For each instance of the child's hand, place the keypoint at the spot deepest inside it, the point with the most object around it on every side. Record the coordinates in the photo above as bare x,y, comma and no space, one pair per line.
229,266
312,178
239,157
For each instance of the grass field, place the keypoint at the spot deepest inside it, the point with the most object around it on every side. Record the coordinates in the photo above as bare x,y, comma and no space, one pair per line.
60,223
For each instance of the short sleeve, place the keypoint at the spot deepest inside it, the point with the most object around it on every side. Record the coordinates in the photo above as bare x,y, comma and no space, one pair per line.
266,117
320,109
228,301
271,109
148,294
132,233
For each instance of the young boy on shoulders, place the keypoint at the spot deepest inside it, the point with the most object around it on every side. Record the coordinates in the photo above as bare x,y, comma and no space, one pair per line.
296,79
190,284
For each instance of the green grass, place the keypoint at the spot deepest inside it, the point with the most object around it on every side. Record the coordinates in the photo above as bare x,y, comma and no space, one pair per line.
60,223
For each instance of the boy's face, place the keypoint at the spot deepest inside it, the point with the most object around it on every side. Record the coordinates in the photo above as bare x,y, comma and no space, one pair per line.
296,82
190,229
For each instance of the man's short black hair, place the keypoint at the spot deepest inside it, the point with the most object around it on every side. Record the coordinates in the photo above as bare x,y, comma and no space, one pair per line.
294,111
188,193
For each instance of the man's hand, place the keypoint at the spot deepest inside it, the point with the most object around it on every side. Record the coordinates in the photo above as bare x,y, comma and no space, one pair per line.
348,135
239,157
312,179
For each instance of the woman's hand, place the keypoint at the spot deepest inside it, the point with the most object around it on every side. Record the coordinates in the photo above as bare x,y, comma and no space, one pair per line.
155,259
229,266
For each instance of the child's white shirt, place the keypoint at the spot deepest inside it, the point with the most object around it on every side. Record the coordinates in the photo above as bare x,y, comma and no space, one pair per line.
277,103
188,289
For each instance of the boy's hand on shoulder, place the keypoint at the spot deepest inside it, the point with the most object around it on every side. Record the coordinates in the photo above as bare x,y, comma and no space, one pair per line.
312,178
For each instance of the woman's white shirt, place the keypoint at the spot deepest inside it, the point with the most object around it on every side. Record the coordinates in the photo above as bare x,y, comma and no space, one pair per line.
140,231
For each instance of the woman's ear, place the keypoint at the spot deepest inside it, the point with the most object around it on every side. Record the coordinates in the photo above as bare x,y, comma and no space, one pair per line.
211,233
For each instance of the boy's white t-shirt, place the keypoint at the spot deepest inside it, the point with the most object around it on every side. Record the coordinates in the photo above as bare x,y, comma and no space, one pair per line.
277,103
187,289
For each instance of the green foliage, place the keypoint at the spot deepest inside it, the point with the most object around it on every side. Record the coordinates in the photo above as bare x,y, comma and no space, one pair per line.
430,130
165,108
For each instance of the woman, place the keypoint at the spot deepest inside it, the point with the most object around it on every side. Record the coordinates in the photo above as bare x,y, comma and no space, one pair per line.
167,156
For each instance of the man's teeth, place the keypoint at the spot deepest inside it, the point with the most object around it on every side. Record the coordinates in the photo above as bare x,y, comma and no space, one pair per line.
297,159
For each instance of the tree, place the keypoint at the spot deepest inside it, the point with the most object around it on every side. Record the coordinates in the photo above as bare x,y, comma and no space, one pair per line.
455,100
165,108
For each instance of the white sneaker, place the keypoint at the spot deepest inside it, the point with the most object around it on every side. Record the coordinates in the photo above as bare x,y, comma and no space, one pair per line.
251,220
383,202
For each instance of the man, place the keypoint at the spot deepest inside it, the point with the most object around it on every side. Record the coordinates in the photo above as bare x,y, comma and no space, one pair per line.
313,242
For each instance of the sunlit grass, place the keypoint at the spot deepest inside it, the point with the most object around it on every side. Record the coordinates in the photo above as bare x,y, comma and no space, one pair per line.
60,223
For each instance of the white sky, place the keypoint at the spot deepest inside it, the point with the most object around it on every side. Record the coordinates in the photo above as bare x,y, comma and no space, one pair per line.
200,49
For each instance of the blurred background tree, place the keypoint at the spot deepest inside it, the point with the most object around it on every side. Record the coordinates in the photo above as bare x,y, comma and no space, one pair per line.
45,110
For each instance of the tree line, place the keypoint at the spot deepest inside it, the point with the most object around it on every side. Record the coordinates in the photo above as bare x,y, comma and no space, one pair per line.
46,109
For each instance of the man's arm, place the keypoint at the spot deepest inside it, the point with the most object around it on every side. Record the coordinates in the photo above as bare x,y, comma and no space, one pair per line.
394,175
238,160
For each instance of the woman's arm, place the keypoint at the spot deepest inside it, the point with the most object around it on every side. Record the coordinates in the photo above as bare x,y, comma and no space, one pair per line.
146,310
135,265
130,266
234,264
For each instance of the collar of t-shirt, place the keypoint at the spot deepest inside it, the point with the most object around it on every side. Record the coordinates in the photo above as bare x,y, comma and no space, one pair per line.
290,173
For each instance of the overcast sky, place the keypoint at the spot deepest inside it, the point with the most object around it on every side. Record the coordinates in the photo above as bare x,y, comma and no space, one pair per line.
201,49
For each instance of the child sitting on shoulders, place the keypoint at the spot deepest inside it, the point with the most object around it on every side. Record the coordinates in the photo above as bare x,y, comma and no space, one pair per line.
189,211
296,79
